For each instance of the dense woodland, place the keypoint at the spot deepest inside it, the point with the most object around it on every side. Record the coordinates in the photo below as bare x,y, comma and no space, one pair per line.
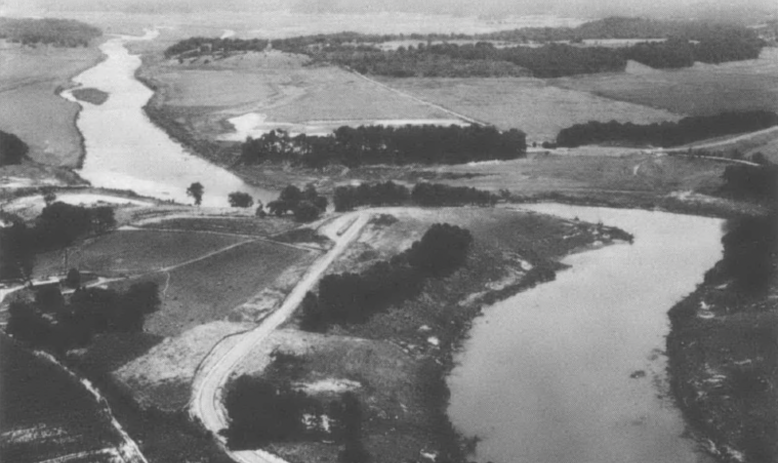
199,46
686,43
376,144
353,298
49,321
48,31
58,225
758,183
556,52
262,412
423,194
666,134
12,149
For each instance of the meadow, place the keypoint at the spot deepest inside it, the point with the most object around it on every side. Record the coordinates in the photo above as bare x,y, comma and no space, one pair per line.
531,105
209,289
29,81
133,252
703,89
278,89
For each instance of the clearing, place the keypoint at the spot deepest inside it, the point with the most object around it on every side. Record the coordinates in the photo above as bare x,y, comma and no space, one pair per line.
531,105
703,89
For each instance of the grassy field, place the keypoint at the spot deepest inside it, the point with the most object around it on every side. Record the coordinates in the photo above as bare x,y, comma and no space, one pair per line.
31,109
633,173
45,414
532,105
209,290
700,90
204,93
133,252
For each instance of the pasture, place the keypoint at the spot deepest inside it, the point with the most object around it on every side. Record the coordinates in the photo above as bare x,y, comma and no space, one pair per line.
132,252
31,109
703,89
209,289
629,174
283,93
531,105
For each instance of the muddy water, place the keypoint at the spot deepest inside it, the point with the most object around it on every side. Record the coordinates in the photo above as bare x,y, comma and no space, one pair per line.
125,150
572,371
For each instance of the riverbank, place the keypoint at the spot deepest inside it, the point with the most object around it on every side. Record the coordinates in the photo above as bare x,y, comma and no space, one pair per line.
401,358
723,365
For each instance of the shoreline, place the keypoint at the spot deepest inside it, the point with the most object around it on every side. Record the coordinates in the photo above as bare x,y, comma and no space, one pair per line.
71,85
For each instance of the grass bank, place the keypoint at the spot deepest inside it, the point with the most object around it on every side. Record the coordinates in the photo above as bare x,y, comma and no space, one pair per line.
404,392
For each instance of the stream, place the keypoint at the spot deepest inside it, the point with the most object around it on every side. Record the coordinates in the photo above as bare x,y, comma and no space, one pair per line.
573,371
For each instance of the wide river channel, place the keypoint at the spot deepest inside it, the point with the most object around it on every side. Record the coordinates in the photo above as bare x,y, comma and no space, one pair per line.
573,371
125,150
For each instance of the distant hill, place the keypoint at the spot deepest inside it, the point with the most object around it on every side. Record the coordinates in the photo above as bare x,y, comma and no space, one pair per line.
58,32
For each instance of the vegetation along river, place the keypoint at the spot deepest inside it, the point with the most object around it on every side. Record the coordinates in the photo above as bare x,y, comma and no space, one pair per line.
125,150
573,371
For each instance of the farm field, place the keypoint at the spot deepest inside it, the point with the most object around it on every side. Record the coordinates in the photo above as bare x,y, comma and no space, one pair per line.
703,89
633,173
209,289
133,252
31,109
45,414
531,105
277,91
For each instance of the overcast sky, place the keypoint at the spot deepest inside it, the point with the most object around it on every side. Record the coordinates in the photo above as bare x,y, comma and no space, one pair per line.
579,8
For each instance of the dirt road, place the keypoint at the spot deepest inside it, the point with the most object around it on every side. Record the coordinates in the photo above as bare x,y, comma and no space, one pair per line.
728,141
206,403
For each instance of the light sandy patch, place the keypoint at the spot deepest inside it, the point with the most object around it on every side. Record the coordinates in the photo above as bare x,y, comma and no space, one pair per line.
331,385
177,358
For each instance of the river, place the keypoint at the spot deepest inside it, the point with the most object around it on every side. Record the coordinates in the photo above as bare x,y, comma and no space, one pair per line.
573,371
125,150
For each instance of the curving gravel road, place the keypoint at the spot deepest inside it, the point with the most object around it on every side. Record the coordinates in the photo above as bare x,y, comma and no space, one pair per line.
206,403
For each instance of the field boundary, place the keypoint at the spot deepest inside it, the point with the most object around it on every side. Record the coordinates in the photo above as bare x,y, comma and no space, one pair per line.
417,99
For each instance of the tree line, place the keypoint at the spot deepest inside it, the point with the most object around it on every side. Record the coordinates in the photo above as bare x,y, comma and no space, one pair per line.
758,183
57,226
423,194
48,31
666,134
686,43
199,46
377,144
12,149
306,205
49,321
353,298
262,412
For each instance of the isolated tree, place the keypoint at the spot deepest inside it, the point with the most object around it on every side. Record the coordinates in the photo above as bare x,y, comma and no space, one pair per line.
73,279
240,199
260,210
196,191
314,317
49,196
17,252
12,149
